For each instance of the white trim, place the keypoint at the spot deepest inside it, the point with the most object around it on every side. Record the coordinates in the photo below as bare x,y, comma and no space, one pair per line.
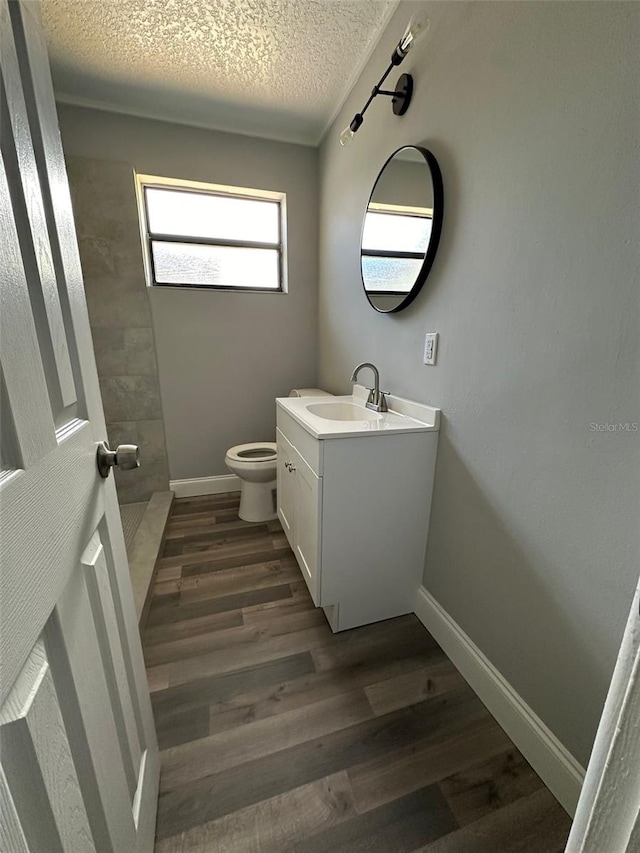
400,209
195,486
159,115
555,765
222,190
205,187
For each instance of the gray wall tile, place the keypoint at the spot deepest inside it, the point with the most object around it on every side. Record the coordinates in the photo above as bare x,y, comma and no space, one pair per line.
123,432
125,351
151,440
130,398
140,484
113,304
111,253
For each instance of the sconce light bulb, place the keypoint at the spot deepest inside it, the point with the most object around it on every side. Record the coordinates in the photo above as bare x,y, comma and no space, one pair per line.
416,28
346,137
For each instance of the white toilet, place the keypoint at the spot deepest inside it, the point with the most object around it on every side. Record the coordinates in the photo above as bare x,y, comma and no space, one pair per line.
256,465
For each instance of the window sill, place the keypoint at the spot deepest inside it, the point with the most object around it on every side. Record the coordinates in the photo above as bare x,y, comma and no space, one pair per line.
215,289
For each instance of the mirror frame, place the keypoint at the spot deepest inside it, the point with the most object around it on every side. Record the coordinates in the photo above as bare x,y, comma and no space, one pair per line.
436,227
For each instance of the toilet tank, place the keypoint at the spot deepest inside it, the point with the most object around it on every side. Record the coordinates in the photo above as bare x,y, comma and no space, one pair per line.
309,392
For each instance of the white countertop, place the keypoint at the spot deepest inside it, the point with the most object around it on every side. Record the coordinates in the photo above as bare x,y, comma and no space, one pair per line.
404,416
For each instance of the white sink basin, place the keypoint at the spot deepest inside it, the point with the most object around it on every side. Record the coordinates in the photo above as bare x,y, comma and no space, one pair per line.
347,417
342,412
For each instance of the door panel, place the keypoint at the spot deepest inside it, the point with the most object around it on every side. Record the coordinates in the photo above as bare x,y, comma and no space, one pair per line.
39,772
37,559
130,735
73,639
22,370
78,754
308,503
36,250
285,486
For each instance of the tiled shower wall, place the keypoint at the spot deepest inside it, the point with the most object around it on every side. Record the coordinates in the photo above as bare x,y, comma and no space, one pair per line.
105,210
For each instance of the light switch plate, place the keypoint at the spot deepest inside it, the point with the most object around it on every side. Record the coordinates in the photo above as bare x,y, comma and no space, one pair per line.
430,347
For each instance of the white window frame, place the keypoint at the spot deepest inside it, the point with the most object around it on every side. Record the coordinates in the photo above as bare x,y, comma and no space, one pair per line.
156,182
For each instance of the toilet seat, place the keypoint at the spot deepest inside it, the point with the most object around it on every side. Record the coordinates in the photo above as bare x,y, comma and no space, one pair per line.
255,464
256,452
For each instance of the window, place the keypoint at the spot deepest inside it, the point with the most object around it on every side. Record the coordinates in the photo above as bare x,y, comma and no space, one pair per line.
201,235
394,243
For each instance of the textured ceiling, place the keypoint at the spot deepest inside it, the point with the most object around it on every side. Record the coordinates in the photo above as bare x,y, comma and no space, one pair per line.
273,68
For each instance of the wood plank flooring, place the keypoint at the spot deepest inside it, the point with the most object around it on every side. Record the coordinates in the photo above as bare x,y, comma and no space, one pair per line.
278,736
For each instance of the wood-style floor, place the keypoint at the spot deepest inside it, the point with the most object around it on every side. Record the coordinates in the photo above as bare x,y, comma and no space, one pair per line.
278,736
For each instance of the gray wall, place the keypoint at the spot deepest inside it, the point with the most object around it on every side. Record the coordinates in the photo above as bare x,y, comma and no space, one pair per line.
223,357
104,204
531,110
405,183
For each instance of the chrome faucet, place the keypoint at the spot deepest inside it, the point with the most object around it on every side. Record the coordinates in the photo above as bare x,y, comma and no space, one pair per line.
376,399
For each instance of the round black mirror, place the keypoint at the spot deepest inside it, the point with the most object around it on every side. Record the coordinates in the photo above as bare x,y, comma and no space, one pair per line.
401,228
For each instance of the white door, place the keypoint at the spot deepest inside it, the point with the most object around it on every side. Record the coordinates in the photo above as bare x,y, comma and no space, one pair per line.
78,753
607,818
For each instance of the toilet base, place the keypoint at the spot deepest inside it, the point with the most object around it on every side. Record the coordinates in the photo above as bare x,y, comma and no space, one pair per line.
258,501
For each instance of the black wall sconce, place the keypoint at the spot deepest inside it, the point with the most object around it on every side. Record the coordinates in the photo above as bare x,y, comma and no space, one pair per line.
401,95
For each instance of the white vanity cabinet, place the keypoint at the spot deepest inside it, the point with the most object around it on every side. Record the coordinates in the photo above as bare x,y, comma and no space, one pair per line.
355,509
299,510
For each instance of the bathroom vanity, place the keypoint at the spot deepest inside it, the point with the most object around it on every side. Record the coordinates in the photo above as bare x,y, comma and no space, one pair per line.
354,498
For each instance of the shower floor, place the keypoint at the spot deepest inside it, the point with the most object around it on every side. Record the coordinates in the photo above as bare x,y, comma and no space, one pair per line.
131,515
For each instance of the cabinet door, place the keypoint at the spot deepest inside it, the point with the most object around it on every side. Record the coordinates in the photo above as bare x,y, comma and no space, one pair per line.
308,502
286,486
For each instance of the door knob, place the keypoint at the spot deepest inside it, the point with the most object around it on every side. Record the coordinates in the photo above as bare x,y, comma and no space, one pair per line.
125,456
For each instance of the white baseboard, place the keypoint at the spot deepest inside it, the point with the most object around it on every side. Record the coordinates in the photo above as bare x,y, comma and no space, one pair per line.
555,765
195,486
